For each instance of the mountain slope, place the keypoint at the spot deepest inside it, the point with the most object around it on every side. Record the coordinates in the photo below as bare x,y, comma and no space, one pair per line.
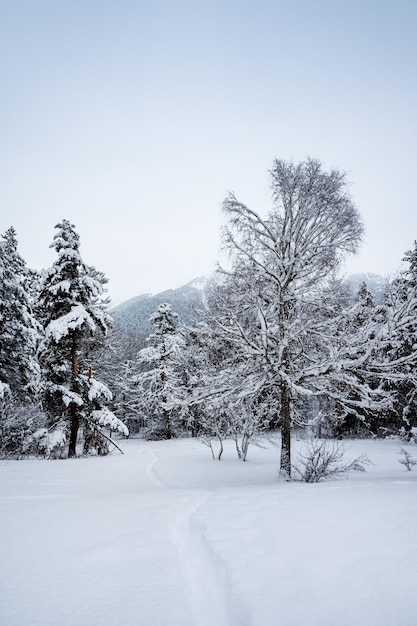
374,282
134,315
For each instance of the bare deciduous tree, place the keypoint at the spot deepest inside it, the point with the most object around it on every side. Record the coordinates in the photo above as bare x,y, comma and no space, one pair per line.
407,460
279,264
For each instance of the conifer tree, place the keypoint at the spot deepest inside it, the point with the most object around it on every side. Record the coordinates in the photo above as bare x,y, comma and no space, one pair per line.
157,380
18,327
401,302
19,335
72,310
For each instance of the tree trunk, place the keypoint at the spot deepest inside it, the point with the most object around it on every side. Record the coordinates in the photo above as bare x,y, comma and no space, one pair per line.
285,463
75,422
167,423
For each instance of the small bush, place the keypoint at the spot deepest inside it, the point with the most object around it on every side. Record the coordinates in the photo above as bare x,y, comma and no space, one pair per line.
18,422
49,443
407,459
322,460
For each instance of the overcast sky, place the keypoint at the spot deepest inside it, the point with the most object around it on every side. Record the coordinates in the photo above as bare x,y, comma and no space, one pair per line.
133,119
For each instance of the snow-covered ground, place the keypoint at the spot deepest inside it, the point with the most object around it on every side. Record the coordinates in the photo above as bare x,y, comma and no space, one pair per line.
165,536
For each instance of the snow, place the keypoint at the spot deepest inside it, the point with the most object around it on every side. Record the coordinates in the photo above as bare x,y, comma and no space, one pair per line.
50,440
4,390
104,417
163,535
76,318
63,286
68,396
97,390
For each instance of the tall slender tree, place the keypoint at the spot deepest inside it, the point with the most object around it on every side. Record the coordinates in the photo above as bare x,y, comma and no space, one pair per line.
280,263
157,377
73,314
19,336
19,331
401,301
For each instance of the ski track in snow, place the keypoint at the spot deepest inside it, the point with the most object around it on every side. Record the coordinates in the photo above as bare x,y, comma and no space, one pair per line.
150,471
207,586
165,536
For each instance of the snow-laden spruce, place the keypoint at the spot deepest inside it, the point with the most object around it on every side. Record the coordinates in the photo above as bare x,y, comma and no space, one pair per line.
72,310
19,331
19,337
401,349
155,378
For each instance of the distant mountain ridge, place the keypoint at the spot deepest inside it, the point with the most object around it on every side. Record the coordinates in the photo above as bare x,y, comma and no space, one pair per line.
133,315
374,282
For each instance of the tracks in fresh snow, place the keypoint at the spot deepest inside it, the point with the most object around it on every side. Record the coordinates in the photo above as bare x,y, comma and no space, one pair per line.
151,471
206,581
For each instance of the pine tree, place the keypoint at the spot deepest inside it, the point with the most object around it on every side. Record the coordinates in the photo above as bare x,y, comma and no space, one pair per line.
72,311
19,331
157,380
117,366
350,394
401,301
20,415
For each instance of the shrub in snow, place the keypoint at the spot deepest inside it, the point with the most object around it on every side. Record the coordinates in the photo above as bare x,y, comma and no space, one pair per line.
322,460
48,442
241,423
407,460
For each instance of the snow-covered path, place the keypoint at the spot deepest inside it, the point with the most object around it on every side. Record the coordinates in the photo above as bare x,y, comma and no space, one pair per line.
202,574
164,536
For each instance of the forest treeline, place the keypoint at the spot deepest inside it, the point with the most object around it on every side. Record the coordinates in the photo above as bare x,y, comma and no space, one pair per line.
280,341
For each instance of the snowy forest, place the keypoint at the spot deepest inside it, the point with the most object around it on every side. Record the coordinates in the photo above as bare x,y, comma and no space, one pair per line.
280,343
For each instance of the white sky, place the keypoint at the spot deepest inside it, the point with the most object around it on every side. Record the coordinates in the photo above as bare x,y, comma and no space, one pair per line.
134,118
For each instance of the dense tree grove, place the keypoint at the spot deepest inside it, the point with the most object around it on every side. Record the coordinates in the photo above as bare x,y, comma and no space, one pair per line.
49,352
280,343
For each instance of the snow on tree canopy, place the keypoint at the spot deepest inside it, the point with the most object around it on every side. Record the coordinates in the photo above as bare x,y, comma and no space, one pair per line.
63,286
98,390
66,237
77,318
68,397
4,390
104,417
